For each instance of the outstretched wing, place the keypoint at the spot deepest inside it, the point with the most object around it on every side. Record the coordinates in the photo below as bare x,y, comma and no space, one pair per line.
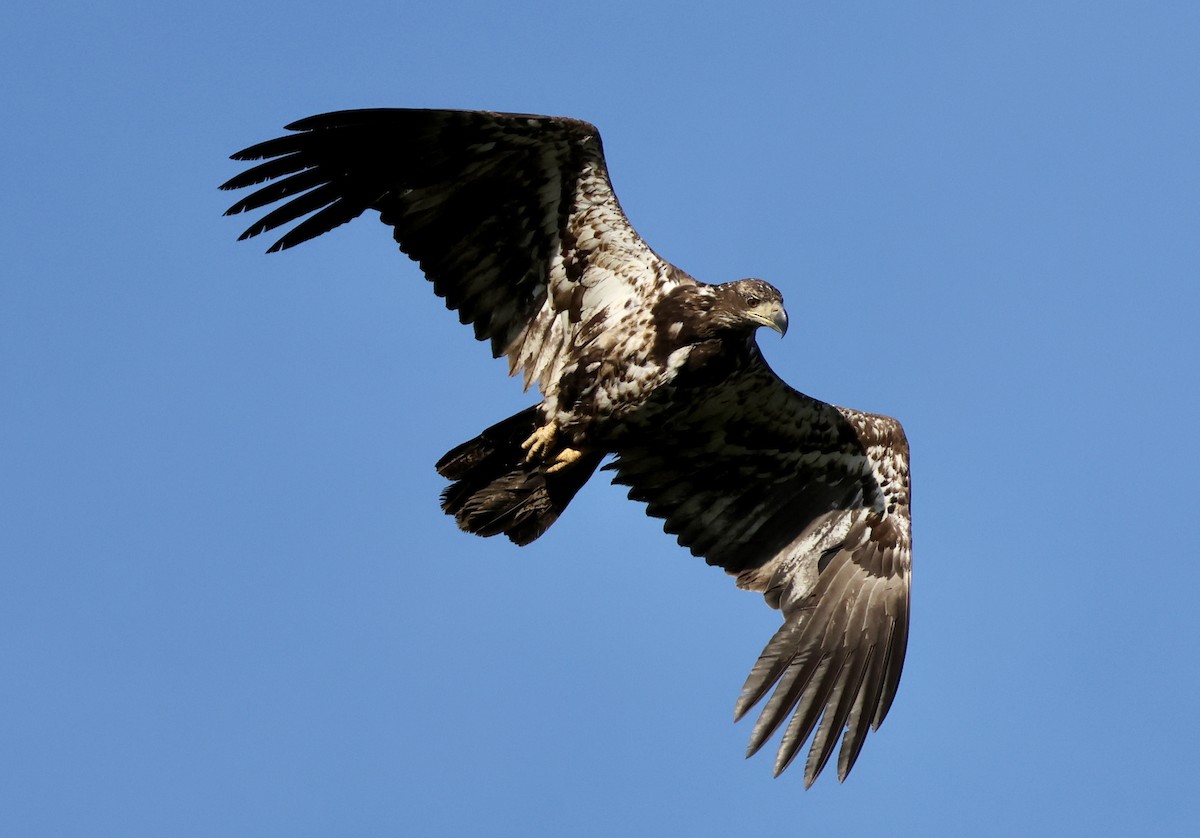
511,216
809,504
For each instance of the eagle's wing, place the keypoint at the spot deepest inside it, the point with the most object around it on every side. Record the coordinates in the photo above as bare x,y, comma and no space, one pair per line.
512,217
809,504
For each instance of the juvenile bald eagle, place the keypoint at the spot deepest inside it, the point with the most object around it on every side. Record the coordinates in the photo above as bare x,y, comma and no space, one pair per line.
513,219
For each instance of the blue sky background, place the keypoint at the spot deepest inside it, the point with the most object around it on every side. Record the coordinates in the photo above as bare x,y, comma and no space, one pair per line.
231,606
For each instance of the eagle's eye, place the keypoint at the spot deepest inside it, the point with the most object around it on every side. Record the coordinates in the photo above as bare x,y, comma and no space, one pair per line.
753,301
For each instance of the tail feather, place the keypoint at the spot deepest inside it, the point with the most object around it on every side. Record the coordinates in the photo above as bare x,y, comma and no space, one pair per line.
496,490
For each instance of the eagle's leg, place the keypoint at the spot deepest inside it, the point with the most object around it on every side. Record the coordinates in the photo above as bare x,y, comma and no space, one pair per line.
564,458
496,487
540,441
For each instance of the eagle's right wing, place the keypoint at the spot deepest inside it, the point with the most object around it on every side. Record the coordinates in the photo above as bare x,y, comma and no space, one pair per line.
512,217
809,504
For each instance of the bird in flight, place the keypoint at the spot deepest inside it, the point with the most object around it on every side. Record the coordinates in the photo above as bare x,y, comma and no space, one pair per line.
513,219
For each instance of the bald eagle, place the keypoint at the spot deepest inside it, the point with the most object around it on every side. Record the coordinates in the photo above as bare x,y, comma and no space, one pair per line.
513,219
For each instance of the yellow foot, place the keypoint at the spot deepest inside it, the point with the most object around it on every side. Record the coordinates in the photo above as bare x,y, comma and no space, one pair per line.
539,442
565,458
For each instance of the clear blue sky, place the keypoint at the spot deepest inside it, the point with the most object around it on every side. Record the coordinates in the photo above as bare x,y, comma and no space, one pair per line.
231,606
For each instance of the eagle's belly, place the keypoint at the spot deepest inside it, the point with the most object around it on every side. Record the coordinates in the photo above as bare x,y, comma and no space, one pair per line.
605,398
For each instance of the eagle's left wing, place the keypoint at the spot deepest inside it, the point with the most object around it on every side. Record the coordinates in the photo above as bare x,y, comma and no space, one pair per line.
512,217
809,504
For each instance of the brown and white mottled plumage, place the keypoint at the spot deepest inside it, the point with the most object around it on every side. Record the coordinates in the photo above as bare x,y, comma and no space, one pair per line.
514,220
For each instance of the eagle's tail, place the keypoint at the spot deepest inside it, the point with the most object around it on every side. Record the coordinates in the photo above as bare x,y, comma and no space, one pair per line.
497,490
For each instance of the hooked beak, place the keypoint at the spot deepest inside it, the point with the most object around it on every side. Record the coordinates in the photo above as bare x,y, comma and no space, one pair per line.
775,319
779,320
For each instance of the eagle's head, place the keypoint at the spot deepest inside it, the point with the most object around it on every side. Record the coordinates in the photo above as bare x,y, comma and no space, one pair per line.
696,313
748,304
